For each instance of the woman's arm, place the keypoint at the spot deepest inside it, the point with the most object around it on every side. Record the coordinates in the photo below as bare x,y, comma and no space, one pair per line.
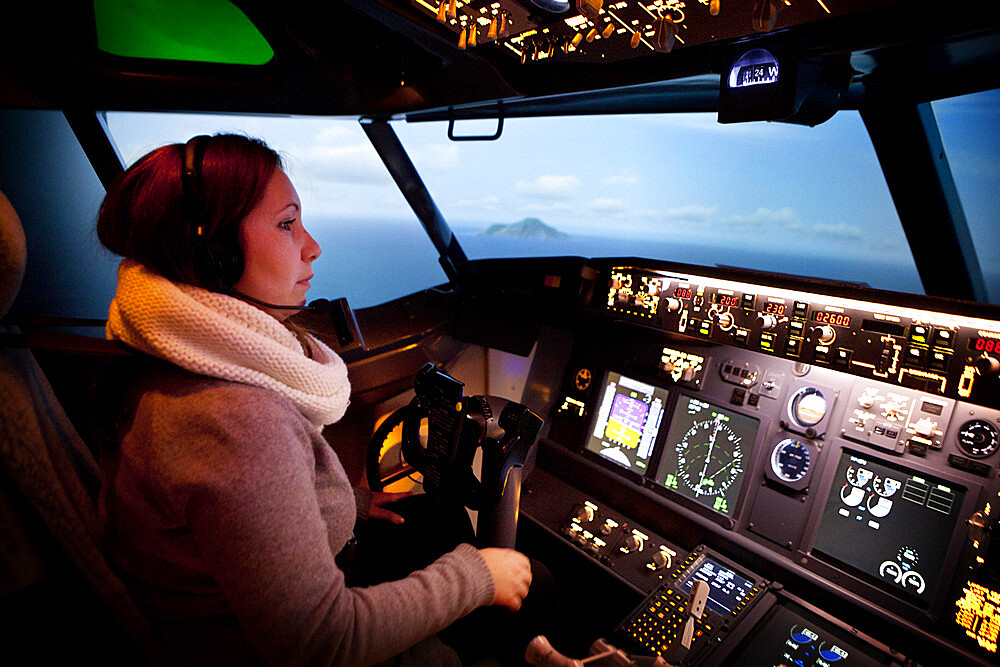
268,505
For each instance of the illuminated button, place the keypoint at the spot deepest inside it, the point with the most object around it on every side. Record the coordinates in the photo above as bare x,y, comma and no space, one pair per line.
822,353
796,328
939,361
944,338
767,342
748,301
842,357
916,356
919,333
793,346
801,309
741,336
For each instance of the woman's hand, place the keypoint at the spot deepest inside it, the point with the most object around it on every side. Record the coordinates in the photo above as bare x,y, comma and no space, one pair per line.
511,572
380,498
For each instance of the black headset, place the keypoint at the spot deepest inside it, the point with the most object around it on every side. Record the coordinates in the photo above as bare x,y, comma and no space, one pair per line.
218,262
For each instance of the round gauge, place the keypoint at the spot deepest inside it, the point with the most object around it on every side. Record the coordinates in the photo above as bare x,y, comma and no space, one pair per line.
885,486
859,476
978,438
709,457
807,407
790,460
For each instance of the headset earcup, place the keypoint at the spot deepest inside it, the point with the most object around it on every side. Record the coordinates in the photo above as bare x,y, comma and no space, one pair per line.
229,263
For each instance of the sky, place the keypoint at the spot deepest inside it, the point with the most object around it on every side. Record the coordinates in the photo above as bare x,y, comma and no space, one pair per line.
682,179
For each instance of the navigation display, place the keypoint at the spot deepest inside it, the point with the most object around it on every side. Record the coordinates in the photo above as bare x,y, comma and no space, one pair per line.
792,635
627,421
706,453
891,523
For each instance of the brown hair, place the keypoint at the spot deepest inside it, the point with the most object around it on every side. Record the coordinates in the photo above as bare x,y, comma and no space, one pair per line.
144,216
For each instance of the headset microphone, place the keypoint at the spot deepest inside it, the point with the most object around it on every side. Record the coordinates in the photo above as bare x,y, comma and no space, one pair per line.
317,307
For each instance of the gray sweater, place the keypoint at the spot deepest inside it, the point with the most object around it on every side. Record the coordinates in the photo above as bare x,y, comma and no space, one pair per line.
223,508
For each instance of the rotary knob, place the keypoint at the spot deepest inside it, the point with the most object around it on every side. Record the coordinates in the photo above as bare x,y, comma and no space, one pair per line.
633,543
585,514
661,559
824,334
767,321
673,304
987,366
726,321
866,400
608,526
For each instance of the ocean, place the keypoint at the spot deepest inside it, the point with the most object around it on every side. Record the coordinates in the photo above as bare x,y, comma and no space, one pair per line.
371,263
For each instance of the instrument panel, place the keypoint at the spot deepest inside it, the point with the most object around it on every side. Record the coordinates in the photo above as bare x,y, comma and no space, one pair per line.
818,438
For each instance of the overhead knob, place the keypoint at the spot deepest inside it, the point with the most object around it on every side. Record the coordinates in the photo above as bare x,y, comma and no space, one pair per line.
866,400
585,513
824,334
987,365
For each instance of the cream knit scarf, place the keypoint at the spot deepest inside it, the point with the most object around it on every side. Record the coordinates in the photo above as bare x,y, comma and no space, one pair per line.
220,336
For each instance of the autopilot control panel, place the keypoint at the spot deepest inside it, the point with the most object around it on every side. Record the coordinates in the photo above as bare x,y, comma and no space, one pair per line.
792,438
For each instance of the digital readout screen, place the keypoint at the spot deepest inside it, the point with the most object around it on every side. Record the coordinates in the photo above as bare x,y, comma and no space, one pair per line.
892,524
726,588
984,344
838,319
627,421
706,453
792,635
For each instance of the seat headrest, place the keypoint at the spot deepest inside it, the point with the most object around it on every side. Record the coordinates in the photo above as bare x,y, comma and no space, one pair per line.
13,254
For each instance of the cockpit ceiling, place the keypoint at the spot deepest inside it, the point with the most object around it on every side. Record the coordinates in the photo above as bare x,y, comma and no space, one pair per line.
392,58
604,31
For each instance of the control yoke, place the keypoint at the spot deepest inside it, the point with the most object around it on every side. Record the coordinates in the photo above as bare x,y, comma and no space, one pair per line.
457,426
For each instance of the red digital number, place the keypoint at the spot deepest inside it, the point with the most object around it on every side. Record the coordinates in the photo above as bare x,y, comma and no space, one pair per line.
775,308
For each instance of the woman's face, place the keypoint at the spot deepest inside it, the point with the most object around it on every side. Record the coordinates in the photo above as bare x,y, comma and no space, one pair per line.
277,250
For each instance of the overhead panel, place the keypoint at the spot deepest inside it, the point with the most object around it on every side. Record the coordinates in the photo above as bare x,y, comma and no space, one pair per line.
590,31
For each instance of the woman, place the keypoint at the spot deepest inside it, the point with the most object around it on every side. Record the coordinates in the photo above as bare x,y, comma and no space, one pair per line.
223,506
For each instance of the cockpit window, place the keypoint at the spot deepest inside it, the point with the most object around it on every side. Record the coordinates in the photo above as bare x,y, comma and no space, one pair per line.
373,248
765,196
214,31
970,129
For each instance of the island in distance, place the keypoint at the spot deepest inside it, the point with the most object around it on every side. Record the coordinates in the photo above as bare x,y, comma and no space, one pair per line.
526,228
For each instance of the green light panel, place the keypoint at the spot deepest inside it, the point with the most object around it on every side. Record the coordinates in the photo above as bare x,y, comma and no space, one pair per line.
213,31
